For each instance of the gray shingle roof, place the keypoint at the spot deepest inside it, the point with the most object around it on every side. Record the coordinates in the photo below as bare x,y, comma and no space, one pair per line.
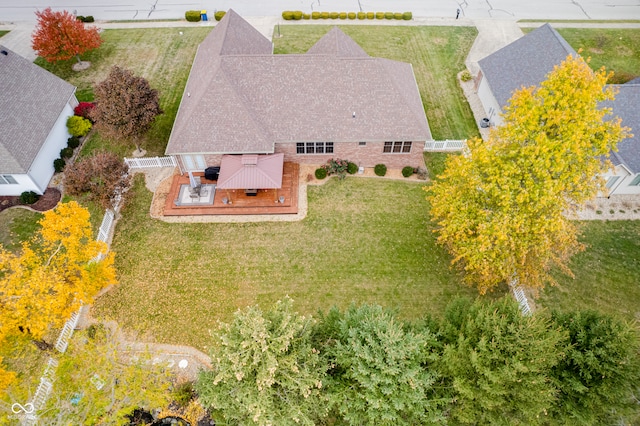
246,102
525,62
627,106
31,100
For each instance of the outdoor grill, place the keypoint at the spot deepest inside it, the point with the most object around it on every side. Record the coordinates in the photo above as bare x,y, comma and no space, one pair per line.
211,173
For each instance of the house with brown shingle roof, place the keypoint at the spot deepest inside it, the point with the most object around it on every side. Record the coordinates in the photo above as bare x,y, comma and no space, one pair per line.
335,101
35,105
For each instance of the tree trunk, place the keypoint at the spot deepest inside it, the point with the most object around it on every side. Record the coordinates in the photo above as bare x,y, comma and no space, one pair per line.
42,345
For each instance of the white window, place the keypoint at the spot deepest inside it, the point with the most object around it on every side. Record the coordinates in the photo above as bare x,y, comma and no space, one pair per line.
397,147
612,181
7,180
635,181
314,148
194,162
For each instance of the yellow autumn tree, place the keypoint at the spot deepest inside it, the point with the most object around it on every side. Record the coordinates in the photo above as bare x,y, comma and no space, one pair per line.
503,209
54,274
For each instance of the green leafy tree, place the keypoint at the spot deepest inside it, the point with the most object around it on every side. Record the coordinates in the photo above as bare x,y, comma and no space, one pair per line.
382,372
496,363
126,106
97,382
600,372
503,209
265,370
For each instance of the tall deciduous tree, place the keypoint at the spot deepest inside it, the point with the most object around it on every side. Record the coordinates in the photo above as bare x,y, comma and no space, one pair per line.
54,274
382,373
265,370
126,106
496,363
598,376
60,36
503,208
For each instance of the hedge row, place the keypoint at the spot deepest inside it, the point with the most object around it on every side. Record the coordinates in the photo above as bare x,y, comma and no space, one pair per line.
296,15
196,15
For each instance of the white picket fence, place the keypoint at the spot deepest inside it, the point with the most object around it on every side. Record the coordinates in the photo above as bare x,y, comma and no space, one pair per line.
446,145
518,293
150,162
105,227
67,332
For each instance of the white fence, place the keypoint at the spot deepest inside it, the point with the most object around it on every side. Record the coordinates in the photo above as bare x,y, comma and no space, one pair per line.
518,293
67,332
150,162
105,227
446,145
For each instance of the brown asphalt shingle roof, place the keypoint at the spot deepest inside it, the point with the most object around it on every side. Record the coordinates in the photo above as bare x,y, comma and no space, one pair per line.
246,101
31,100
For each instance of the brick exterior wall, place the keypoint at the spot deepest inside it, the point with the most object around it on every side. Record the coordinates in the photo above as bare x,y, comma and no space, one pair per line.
365,156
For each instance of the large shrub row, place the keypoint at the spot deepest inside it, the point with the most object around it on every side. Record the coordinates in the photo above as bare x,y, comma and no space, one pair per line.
483,362
78,126
296,15
336,166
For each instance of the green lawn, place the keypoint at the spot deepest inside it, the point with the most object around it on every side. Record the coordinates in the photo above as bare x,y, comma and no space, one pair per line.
364,240
607,272
436,53
17,225
3,33
616,49
161,55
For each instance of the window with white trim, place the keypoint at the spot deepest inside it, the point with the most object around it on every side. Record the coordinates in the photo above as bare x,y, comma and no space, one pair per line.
314,148
7,180
397,147
612,181
635,181
194,162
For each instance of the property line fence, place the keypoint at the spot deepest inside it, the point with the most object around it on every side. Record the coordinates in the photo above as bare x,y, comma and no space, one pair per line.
105,227
518,293
67,332
150,162
446,145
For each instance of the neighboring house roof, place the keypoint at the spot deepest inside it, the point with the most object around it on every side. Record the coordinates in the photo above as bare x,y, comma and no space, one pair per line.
524,63
247,100
31,101
627,106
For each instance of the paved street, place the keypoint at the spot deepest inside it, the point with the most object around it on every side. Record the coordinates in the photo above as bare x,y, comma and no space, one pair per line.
13,11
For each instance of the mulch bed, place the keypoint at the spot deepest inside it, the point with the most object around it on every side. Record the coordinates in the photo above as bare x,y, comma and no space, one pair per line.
47,201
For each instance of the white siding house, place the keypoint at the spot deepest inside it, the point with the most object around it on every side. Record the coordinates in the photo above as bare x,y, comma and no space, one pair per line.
35,105
526,62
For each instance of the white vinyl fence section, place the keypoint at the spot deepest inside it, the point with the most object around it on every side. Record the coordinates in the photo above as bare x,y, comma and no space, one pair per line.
67,332
518,293
446,145
105,227
150,162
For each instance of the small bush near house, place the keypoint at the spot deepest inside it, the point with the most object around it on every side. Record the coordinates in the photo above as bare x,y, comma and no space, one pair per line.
407,16
321,173
407,171
73,142
388,15
83,109
397,15
371,15
192,15
362,15
466,75
379,15
219,15
58,164
336,167
380,170
352,168
334,15
66,153
78,126
29,197
351,15
343,15
315,15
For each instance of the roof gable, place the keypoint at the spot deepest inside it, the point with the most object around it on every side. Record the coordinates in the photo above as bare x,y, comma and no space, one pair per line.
31,101
525,62
235,36
337,43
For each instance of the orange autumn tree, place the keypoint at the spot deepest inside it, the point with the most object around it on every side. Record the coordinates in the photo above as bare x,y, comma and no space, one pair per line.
60,36
54,274
503,209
